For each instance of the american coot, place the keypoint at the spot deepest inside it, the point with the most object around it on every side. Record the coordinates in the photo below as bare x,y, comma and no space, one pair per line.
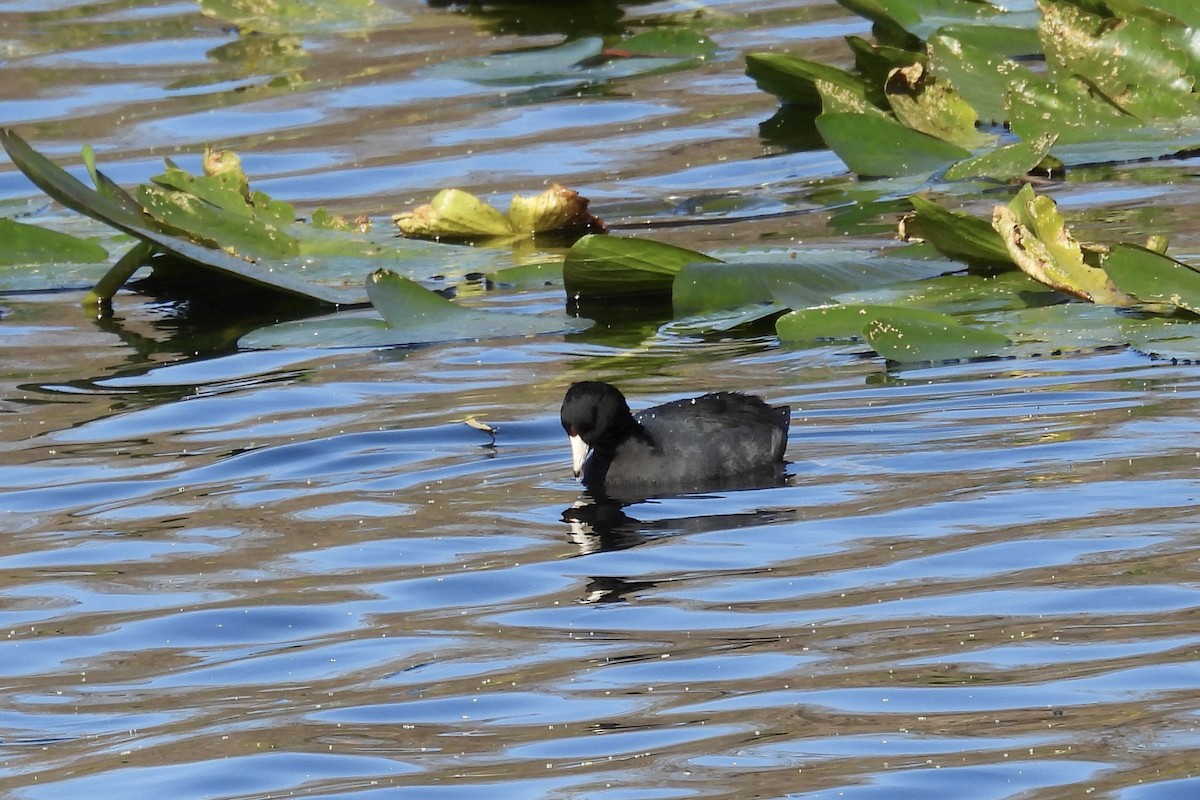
722,439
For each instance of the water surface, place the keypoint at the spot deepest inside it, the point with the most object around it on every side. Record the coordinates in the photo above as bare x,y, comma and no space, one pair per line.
297,573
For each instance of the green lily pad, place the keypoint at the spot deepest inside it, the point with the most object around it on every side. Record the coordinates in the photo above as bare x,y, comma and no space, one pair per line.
1015,34
1039,243
907,338
1152,277
73,194
877,147
839,99
1186,11
921,18
666,43
982,77
961,295
240,234
806,278
1071,109
528,276
606,266
721,320
1140,64
29,244
792,79
959,236
844,321
411,315
524,67
1004,163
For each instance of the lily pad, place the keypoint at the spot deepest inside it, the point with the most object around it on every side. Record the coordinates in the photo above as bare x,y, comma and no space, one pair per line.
29,244
981,76
411,315
1152,277
1004,163
839,99
907,338
806,278
921,18
73,194
606,266
301,16
1039,243
959,236
1071,109
456,215
844,321
1141,65
876,61
877,147
721,320
932,106
960,296
793,79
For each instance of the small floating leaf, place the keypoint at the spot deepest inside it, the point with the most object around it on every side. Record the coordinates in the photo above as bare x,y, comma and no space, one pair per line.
906,338
479,425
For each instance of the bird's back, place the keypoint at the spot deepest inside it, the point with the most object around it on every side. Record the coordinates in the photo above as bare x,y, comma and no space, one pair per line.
723,437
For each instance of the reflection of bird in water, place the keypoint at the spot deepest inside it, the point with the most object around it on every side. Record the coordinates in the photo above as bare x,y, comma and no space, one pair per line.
600,524
722,440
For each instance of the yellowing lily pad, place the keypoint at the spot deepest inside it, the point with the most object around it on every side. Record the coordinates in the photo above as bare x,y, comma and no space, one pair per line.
457,215
454,214
932,106
1037,239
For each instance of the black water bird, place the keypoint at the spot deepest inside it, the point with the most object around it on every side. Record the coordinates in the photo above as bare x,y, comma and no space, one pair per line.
717,440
